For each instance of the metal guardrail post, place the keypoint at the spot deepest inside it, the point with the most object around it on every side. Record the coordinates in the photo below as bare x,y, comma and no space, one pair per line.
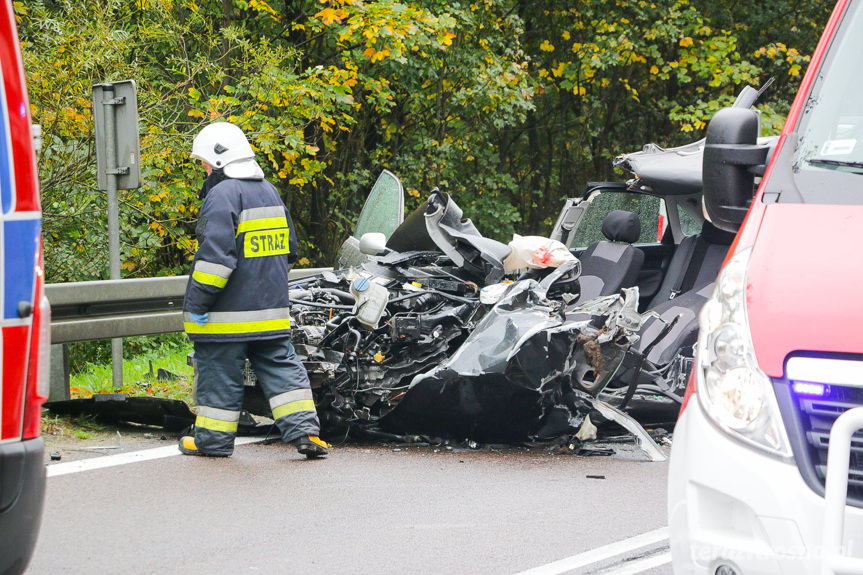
59,377
834,559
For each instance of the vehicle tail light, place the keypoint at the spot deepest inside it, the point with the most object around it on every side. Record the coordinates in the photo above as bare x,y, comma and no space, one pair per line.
39,362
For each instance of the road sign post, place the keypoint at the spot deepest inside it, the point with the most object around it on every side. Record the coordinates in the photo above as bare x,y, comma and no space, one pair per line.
115,115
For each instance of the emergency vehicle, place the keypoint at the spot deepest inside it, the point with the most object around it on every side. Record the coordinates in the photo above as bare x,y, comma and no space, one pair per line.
766,470
24,332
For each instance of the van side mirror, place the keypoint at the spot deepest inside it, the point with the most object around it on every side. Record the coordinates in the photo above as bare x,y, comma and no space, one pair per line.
732,157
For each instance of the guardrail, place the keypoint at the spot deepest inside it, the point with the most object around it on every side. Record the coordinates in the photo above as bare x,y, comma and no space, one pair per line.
84,311
107,309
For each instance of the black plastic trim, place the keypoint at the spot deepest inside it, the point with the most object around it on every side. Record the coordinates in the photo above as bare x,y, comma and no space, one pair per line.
23,493
806,455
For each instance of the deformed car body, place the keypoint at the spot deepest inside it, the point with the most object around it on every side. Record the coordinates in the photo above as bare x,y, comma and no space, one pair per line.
462,347
466,346
454,354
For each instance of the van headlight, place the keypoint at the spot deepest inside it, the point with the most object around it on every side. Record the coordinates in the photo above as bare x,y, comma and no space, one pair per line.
733,391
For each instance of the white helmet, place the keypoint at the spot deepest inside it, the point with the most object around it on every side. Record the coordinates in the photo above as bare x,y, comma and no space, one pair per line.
224,145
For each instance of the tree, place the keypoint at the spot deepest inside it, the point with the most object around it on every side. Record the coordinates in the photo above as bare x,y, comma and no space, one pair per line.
510,106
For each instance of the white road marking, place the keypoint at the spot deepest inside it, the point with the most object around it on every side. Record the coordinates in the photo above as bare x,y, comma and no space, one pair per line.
124,458
600,553
639,565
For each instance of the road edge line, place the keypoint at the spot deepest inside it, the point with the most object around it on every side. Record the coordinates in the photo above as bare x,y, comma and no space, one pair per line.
600,553
105,461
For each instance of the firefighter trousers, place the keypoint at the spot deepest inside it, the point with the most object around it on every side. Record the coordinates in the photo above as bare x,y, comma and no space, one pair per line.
219,391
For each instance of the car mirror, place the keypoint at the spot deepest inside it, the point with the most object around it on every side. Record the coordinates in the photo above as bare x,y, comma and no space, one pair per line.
373,244
731,158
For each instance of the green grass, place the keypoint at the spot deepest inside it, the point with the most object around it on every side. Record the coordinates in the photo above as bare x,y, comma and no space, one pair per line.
140,375
146,355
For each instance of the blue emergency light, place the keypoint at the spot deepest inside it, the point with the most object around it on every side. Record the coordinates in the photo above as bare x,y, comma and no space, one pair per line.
810,388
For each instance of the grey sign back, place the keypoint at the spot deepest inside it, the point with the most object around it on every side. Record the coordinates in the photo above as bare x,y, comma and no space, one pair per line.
115,113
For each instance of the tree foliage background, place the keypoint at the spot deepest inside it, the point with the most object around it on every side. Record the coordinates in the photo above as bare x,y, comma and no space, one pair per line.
508,105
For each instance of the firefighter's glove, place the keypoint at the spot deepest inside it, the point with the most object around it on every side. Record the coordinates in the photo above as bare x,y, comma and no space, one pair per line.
200,318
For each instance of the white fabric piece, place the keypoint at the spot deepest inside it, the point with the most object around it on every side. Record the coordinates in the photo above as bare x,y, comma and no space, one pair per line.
587,432
535,252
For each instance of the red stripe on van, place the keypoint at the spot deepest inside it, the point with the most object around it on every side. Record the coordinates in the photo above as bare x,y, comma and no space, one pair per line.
15,341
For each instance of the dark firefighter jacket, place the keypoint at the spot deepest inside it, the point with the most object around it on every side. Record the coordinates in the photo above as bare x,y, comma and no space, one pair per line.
246,245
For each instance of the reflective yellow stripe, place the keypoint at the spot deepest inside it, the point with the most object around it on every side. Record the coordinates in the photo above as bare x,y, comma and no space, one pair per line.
209,273
293,407
234,322
289,396
238,327
262,224
216,424
261,213
209,279
218,413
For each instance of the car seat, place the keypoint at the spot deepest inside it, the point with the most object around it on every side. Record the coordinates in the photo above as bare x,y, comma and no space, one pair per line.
668,336
696,262
609,266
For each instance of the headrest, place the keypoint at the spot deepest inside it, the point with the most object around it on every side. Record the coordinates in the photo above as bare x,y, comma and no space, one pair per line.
714,235
621,226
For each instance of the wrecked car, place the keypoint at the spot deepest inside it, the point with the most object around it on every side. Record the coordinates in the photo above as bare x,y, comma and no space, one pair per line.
436,331
429,328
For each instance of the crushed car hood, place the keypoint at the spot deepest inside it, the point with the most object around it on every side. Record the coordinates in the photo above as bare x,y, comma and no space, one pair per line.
804,282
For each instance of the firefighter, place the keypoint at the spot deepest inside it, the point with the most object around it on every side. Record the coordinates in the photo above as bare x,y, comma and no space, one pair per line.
236,305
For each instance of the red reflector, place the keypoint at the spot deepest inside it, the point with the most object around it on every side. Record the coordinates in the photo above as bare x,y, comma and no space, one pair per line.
14,373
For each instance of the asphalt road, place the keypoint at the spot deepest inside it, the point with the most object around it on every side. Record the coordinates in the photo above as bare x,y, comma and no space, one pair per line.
365,509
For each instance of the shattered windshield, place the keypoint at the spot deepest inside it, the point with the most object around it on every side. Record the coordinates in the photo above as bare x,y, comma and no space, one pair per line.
831,127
